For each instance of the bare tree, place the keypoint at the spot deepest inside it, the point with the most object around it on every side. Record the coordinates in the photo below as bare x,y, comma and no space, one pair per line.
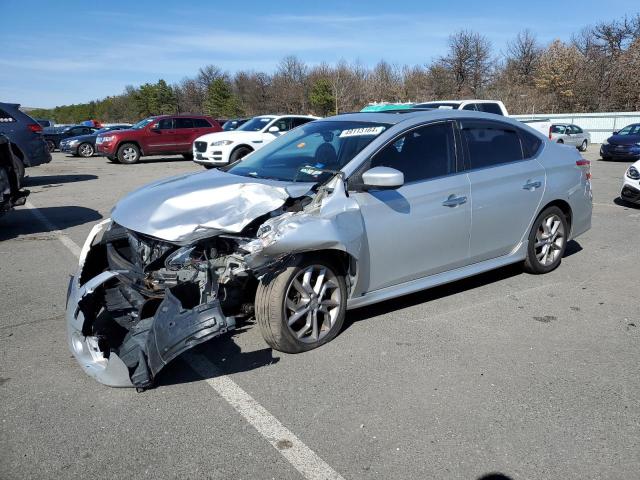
469,60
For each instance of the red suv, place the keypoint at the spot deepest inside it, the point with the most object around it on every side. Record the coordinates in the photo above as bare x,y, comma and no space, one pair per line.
162,135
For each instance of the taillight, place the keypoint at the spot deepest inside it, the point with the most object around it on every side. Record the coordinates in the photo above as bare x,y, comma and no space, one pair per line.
35,127
550,136
586,164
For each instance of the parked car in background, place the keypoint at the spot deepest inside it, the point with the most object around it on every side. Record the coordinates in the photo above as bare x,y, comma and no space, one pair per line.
45,123
631,184
488,106
234,123
219,149
85,145
495,107
570,134
11,175
25,135
337,214
54,135
160,135
623,144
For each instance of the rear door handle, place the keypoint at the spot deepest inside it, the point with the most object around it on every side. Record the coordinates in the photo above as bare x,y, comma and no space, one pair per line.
531,185
453,201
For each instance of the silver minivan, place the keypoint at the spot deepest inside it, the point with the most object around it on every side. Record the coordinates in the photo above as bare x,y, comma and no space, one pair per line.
334,215
570,134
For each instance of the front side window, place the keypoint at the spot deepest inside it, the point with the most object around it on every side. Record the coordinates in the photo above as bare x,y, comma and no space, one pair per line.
421,154
576,129
165,124
306,153
255,124
284,124
470,106
490,144
296,122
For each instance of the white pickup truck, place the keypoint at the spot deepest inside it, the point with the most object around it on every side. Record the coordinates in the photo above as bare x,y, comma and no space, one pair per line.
488,106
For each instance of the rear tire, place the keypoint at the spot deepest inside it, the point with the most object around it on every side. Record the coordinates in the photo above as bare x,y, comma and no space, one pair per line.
239,153
547,241
51,146
113,159
128,153
209,167
561,141
302,306
187,156
605,158
583,147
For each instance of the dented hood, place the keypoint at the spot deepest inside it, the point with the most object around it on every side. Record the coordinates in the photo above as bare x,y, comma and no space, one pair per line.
188,207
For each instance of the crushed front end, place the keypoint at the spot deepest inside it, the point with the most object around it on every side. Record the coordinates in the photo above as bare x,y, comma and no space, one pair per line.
136,302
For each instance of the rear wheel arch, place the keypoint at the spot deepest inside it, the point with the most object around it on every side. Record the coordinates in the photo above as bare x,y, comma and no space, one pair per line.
562,205
17,152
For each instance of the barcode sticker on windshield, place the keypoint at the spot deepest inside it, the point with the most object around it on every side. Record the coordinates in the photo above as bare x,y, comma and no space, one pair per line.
361,132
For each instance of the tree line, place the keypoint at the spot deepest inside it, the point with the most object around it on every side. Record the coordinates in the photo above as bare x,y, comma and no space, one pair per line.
597,70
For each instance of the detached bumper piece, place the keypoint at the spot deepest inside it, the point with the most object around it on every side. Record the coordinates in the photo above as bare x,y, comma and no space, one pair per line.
148,346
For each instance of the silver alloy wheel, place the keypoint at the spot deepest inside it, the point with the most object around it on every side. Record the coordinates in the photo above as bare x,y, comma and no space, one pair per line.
550,239
130,154
85,150
312,303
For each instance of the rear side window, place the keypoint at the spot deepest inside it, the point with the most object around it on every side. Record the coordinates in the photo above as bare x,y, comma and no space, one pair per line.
470,106
184,122
490,144
421,154
5,117
489,108
530,143
201,123
557,129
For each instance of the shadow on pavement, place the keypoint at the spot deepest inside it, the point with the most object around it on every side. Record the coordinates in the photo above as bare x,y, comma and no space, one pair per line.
56,179
221,351
623,203
443,291
23,222
494,476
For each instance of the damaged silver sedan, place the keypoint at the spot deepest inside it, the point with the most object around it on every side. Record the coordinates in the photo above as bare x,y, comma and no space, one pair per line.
339,213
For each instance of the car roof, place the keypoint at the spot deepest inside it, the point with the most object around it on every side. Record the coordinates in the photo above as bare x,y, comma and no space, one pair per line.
413,115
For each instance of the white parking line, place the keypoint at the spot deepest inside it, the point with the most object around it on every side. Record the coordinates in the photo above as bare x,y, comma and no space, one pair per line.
301,457
64,238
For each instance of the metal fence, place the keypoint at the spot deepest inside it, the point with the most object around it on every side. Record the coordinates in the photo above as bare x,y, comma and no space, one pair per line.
599,125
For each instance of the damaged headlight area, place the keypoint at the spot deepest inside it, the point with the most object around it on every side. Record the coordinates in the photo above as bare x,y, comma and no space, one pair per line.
137,302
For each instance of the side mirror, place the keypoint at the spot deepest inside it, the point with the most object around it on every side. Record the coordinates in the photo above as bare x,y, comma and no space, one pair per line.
615,132
273,129
382,178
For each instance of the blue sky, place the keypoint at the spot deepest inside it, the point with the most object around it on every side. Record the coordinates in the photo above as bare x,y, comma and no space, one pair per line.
61,52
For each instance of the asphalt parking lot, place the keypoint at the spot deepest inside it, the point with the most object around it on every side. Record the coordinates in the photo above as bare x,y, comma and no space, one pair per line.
528,376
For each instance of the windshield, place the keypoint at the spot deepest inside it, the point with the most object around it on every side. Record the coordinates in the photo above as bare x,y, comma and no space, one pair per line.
304,154
630,130
142,123
255,124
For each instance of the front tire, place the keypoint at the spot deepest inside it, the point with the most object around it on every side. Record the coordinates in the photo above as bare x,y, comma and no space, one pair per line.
547,241
302,306
128,153
239,153
560,141
85,150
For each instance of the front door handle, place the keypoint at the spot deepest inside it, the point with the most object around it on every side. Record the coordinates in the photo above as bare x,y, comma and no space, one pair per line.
532,185
453,201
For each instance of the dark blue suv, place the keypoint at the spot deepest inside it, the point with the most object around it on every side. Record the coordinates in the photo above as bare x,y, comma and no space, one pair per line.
25,135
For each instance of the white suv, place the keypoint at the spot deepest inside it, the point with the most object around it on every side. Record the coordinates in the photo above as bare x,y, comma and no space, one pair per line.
221,148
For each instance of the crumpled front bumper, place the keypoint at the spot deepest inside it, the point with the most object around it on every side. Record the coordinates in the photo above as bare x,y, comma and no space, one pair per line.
150,344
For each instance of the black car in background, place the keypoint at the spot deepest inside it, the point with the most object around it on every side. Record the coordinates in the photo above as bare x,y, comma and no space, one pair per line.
233,123
11,175
54,135
45,123
623,144
24,134
85,145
